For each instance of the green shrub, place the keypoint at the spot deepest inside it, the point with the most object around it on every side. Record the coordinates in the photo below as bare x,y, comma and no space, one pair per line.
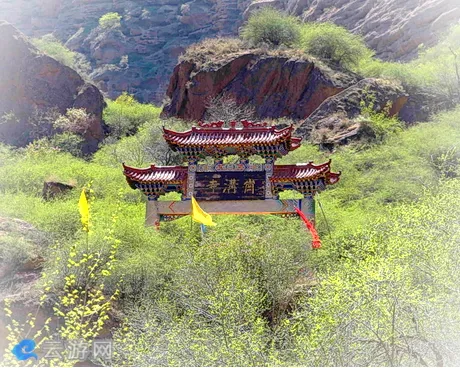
334,43
15,251
272,27
440,65
380,122
79,298
226,282
446,162
11,131
51,46
68,142
75,121
383,301
406,73
436,68
125,115
147,146
110,20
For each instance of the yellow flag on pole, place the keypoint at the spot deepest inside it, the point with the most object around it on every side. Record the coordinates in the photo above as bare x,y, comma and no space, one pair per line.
200,216
84,210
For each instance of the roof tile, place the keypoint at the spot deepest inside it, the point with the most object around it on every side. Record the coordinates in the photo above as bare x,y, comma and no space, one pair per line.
156,173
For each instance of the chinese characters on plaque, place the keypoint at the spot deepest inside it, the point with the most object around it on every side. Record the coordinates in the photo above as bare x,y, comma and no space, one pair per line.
230,185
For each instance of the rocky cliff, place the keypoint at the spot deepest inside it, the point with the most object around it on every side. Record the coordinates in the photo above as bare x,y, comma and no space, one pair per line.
217,76
152,36
275,85
141,55
31,82
393,28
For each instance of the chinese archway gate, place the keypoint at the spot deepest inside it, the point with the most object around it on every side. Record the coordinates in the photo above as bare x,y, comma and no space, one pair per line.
238,188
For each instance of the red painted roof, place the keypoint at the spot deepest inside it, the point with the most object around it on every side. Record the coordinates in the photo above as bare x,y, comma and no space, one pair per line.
286,173
214,134
156,174
302,172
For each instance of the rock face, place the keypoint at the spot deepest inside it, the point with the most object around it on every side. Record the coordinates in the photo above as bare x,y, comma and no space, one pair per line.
152,36
334,116
275,86
393,28
155,32
347,103
31,81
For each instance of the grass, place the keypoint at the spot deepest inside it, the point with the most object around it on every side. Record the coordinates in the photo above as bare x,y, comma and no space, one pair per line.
213,53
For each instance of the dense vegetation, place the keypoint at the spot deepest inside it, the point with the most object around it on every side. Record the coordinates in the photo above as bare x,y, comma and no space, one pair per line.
251,292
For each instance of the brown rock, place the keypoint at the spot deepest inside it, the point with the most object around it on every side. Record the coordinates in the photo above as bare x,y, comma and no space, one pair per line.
260,4
53,189
422,104
348,103
32,81
337,130
275,86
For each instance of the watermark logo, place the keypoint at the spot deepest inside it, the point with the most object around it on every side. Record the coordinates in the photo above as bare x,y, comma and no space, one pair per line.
79,350
24,350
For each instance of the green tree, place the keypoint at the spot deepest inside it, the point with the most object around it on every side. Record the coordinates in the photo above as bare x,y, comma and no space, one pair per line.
272,27
110,20
68,142
125,115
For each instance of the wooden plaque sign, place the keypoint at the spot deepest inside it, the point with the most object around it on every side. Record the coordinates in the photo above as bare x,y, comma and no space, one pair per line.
229,186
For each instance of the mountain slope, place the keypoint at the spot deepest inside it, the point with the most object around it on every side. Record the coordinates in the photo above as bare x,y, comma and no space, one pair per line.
33,84
393,28
155,32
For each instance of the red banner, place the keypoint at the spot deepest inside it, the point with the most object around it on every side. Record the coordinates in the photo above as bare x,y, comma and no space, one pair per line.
316,240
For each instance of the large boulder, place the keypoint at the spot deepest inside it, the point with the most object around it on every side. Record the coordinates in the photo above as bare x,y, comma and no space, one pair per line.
274,85
31,81
339,110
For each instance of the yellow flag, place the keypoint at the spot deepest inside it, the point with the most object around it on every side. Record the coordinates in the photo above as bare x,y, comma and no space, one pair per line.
84,210
200,216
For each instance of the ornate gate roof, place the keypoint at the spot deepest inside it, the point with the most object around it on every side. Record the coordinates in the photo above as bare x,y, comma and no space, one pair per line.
213,139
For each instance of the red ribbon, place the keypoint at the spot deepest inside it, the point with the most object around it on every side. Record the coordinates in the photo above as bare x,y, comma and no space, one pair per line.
316,243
